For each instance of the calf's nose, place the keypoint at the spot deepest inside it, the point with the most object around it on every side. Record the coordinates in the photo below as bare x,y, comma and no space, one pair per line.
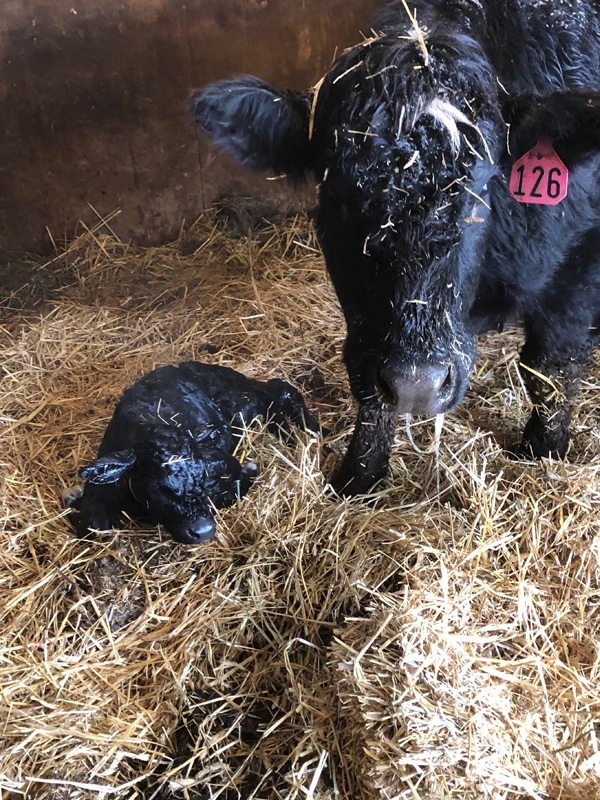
198,531
422,390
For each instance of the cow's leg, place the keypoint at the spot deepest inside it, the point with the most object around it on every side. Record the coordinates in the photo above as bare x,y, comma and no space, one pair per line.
367,459
553,362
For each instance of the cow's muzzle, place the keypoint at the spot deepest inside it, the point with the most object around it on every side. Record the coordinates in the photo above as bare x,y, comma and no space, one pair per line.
423,390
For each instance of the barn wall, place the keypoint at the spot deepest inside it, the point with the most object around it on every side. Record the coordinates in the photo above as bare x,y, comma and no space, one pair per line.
93,104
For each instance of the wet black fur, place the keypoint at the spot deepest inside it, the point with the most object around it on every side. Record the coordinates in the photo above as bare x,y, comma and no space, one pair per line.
396,227
167,453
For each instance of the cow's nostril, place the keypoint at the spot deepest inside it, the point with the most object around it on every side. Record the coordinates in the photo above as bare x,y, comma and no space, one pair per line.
387,386
447,387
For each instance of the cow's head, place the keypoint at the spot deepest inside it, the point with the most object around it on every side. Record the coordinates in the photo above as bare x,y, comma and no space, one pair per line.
177,478
401,135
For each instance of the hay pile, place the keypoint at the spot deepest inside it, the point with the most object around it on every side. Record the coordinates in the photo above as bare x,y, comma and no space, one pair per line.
439,640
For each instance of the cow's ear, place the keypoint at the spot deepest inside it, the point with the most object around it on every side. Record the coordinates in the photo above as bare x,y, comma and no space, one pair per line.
570,119
108,469
262,128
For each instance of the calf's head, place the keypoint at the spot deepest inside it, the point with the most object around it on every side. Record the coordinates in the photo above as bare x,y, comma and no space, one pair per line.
176,478
401,138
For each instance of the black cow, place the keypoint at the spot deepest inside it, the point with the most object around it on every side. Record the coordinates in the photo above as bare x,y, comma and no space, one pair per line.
168,452
412,136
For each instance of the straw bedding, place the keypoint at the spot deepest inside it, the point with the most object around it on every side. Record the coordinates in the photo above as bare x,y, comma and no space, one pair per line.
438,640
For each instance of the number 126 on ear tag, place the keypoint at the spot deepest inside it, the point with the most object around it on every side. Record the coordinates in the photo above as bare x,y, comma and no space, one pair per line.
539,176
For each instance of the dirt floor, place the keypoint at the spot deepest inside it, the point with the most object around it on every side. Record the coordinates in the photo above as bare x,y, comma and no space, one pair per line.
439,639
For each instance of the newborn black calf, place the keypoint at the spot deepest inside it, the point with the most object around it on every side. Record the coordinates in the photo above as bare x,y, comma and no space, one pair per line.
167,454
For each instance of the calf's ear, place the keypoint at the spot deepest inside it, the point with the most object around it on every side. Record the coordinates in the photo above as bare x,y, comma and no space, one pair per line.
263,129
205,432
108,469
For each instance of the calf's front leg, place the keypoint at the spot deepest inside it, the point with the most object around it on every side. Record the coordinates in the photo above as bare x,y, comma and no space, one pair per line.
368,455
98,509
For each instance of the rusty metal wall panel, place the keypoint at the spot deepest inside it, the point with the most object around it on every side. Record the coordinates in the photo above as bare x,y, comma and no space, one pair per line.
93,104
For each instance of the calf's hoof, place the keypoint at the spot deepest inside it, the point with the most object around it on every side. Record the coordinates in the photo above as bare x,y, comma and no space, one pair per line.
71,495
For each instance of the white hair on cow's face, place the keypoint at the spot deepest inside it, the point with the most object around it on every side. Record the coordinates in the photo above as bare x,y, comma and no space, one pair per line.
448,117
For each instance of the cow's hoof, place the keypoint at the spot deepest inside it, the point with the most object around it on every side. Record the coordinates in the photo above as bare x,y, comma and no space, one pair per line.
346,485
544,440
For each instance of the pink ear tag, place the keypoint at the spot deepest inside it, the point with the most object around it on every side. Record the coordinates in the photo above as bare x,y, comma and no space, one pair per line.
539,176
